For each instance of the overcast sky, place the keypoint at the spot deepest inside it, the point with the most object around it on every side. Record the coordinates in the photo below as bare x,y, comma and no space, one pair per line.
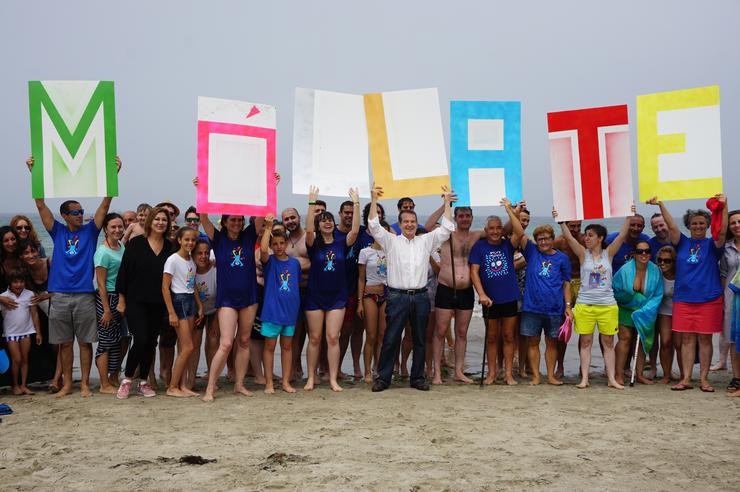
551,55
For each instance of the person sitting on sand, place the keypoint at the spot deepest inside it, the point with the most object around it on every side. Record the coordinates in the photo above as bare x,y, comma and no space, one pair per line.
282,301
20,326
596,305
494,277
546,296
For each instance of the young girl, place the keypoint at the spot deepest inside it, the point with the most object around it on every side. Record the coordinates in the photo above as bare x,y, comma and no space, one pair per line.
179,293
282,273
20,324
205,281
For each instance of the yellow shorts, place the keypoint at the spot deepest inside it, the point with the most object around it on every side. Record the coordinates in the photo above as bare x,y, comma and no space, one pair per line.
588,316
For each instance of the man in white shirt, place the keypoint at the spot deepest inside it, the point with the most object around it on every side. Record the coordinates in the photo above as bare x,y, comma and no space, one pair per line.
407,257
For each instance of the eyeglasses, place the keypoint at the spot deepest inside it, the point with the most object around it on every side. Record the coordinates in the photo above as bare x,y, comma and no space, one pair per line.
75,213
642,251
192,220
543,238
667,261
22,228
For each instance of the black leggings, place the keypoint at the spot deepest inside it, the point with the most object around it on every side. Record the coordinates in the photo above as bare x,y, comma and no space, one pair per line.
144,323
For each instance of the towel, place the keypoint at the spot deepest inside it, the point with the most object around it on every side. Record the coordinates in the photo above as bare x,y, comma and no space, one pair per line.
645,305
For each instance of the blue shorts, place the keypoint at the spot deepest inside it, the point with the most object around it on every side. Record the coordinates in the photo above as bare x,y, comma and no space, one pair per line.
184,305
323,305
272,330
532,325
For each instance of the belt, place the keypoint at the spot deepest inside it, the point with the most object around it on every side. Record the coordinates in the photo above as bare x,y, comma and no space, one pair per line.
408,292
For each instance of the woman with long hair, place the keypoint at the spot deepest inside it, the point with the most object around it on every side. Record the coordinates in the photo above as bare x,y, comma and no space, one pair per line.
669,342
23,227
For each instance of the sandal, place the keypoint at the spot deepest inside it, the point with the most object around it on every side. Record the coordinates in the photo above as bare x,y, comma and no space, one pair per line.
681,387
706,389
734,384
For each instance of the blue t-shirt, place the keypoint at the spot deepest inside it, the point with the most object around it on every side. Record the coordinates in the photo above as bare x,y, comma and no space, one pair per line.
72,267
697,270
282,297
327,278
545,277
625,251
236,272
353,253
496,272
655,245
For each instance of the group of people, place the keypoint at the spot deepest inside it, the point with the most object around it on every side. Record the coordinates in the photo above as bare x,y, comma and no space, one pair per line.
357,283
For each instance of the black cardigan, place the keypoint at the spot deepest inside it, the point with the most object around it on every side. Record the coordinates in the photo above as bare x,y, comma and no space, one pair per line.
140,275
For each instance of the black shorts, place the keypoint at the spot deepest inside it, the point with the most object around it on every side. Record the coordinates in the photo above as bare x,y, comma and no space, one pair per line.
449,298
498,311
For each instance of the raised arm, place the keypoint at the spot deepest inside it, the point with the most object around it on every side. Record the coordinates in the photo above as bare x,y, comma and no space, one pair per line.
373,226
575,246
674,233
104,206
313,194
508,226
354,194
434,218
47,218
265,242
722,237
207,225
623,231
517,231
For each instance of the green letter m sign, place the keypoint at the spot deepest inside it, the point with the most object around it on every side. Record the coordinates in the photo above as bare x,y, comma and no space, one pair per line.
73,139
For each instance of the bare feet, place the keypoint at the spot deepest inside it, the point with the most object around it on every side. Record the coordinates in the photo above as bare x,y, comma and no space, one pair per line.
734,393
27,391
614,384
559,373
288,388
309,385
665,380
619,380
269,390
554,381
644,380
208,397
189,392
260,381
510,381
335,386
369,379
583,385
108,390
437,380
241,390
85,391
535,381
176,392
719,366
17,390
462,378
64,391
489,380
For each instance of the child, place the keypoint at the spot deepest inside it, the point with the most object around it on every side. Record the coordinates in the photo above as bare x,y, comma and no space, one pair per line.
179,292
205,281
282,301
20,324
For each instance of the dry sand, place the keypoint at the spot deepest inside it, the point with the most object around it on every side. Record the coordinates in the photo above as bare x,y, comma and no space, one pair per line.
453,437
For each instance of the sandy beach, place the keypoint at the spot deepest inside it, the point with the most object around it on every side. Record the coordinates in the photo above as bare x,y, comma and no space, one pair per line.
454,437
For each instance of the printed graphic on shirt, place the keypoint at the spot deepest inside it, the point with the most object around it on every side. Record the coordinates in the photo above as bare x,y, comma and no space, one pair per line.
597,277
285,281
190,279
694,254
236,257
72,246
382,266
545,268
329,258
496,264
203,291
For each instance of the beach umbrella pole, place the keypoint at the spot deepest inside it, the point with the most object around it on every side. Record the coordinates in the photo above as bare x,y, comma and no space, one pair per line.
634,361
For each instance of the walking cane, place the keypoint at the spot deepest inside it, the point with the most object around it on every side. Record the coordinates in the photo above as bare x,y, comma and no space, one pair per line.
634,361
485,346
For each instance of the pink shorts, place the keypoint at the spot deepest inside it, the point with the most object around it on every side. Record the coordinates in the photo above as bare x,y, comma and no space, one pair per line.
704,318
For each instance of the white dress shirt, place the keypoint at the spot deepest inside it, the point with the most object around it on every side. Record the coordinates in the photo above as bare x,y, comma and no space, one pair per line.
406,259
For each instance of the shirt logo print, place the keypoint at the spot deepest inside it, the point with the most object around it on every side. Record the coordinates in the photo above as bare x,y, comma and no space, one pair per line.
190,279
72,246
329,261
203,290
382,266
236,257
545,270
694,255
496,264
285,281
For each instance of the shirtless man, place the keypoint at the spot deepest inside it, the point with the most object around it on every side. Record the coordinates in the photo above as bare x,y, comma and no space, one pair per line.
575,278
455,295
296,248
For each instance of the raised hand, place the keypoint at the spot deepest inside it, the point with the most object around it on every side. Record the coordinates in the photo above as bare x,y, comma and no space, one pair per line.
29,163
653,201
354,194
554,213
269,219
376,192
505,202
118,164
447,195
313,193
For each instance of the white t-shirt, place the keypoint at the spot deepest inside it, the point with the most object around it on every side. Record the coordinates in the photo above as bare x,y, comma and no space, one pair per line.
376,269
666,305
206,283
183,274
17,322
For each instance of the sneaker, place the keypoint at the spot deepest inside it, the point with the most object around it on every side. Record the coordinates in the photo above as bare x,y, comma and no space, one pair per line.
146,390
124,389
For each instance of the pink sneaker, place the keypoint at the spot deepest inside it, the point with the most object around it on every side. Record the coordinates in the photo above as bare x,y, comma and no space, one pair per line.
124,389
146,390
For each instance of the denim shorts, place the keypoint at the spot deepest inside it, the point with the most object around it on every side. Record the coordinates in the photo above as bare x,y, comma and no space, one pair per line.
184,305
532,325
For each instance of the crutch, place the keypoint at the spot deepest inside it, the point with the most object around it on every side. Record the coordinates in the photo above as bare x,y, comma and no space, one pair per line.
634,361
485,346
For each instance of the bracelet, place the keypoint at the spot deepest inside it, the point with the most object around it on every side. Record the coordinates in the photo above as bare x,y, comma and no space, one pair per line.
567,304
312,203
357,203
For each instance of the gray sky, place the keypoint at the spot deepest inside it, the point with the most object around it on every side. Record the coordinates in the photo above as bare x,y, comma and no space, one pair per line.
551,55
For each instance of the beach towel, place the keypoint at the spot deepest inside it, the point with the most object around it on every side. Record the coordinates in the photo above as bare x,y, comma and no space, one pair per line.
734,286
645,305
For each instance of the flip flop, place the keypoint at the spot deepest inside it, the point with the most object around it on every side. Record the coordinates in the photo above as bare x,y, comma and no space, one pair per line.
681,387
707,389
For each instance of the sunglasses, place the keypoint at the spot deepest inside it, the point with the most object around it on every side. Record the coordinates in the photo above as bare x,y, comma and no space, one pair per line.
75,213
667,261
192,220
23,228
642,251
